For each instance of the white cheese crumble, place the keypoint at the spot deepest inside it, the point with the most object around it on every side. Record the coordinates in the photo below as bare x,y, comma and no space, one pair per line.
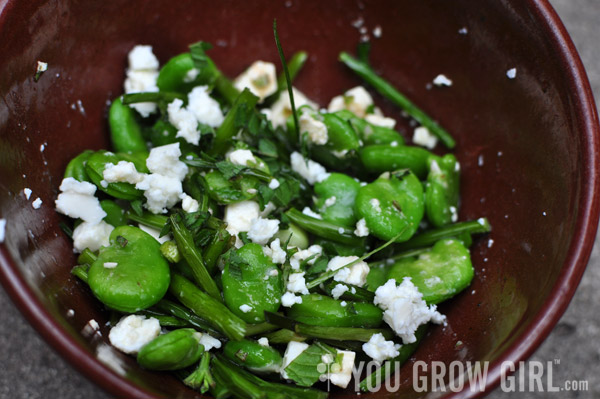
275,252
262,230
338,290
354,275
110,265
164,160
293,350
375,204
37,203
91,235
330,201
282,108
297,283
442,80
154,233
77,200
274,184
361,228
122,172
41,67
289,299
463,30
342,377
245,308
423,137
242,158
2,229
184,121
309,212
239,216
133,332
312,252
317,131
377,31
141,77
161,192
209,342
404,308
263,341
511,73
189,204
379,349
27,192
379,120
260,78
310,170
357,100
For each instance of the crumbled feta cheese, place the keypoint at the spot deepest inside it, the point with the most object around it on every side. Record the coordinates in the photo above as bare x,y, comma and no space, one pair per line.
260,78
317,131
245,308
338,290
27,192
453,214
293,350
184,121
375,204
240,215
154,233
161,192
361,228
274,184
463,30
289,299
103,183
341,230
432,281
91,235
404,308
141,76
2,229
264,341
275,252
344,304
339,154
205,108
309,212
282,108
442,80
262,230
123,171
37,203
354,275
423,137
297,283
164,160
189,204
313,252
357,100
110,265
308,169
379,349
379,120
342,377
133,332
41,67
270,207
191,75
242,158
330,201
77,200
377,31
209,342
511,73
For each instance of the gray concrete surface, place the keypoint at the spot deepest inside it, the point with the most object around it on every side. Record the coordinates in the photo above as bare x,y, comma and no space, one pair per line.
30,369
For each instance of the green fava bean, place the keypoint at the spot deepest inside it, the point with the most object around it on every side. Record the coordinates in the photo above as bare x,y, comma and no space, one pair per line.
253,282
253,356
442,190
320,310
440,273
125,132
76,166
295,234
226,191
96,164
370,133
392,205
341,136
130,274
115,215
385,158
178,74
335,199
172,351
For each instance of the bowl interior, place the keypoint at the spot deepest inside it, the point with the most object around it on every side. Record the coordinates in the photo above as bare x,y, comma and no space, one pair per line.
521,143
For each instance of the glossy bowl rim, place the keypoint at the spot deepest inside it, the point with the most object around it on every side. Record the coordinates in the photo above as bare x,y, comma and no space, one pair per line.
525,344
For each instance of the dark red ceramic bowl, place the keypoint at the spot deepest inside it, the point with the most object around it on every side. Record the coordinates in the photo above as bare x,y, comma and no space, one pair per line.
528,147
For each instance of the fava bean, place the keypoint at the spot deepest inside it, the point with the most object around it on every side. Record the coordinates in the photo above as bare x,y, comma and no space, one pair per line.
335,199
442,189
253,356
125,132
76,166
96,164
385,158
172,351
320,310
